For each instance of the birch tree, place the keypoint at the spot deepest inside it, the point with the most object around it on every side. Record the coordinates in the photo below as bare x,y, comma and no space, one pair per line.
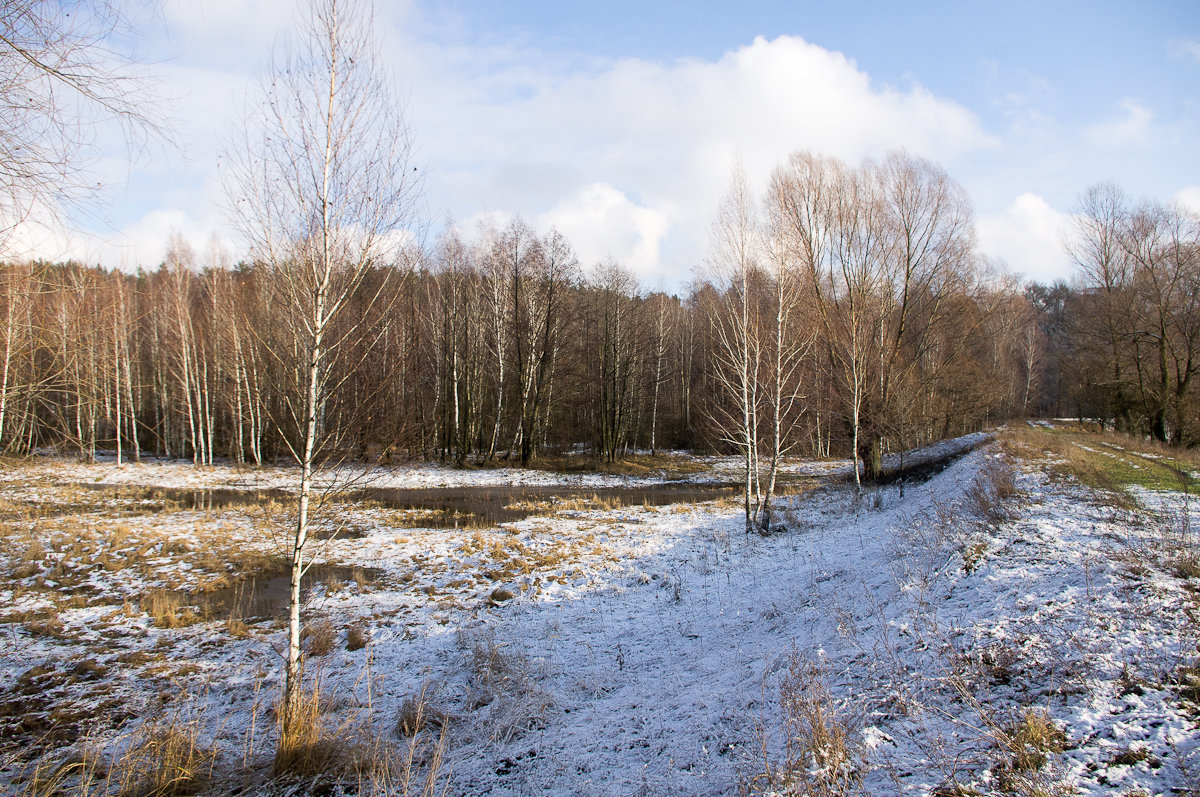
323,189
734,254
790,336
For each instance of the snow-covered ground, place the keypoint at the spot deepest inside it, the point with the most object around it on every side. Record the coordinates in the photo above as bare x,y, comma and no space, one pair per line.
640,650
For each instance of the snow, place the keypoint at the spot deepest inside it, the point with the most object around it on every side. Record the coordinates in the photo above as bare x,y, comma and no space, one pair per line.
643,649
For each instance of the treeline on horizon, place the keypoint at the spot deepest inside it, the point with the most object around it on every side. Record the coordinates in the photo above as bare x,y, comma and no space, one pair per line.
847,310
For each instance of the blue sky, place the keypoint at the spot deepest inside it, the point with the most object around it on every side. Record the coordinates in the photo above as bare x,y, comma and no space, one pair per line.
619,122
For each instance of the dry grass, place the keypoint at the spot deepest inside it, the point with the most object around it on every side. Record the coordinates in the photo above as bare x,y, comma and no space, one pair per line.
1186,680
990,496
1032,738
593,503
165,760
508,685
348,755
417,713
160,759
72,774
357,637
663,465
1107,461
309,744
48,626
973,554
821,755
1162,541
170,609
319,638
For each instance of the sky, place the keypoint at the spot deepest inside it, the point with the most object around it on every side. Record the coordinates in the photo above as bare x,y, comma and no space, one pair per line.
619,122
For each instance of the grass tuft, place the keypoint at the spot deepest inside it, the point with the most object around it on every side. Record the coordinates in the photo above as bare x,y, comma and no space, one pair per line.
990,495
1032,738
349,757
319,638
170,609
822,755
165,760
357,637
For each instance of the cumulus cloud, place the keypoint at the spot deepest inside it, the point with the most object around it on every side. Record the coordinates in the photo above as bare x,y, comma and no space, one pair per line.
628,157
602,222
1030,236
553,143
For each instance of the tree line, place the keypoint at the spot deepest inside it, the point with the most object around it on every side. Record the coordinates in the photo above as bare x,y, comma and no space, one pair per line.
506,349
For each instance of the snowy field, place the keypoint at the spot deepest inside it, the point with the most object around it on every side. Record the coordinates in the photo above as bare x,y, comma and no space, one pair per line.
999,628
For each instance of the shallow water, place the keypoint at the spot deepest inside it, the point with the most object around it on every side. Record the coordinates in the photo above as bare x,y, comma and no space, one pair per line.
159,498
266,594
441,507
483,507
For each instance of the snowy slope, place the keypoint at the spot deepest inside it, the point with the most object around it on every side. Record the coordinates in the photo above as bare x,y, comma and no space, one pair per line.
641,650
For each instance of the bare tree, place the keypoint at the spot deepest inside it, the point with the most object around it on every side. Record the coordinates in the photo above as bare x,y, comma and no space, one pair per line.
660,330
323,189
1162,244
17,289
61,79
734,256
612,337
1100,259
1140,329
791,336
929,225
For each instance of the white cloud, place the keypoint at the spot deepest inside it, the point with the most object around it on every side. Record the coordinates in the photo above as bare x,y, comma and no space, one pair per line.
602,222
1030,236
502,134
628,157
1185,50
226,31
141,243
1189,197
1132,127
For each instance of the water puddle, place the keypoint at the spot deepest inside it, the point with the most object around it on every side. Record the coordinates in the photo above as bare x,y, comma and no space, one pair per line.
485,507
439,507
266,594
924,470
158,499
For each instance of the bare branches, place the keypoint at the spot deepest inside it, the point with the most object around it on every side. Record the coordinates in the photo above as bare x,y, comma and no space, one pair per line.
62,81
322,190
1138,319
